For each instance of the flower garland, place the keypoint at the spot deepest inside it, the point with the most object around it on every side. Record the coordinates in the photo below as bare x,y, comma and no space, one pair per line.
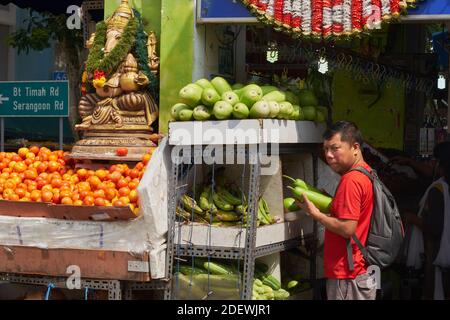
97,61
327,18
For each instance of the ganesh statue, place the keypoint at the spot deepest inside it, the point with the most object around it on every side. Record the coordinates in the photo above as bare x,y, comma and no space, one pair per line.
117,107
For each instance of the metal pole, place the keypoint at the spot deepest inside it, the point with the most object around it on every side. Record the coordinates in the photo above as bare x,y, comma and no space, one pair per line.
2,133
61,132
313,263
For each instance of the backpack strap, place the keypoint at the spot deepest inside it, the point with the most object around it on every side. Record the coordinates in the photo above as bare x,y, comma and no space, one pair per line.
354,237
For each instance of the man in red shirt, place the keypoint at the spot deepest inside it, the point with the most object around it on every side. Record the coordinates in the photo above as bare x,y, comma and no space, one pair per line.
351,211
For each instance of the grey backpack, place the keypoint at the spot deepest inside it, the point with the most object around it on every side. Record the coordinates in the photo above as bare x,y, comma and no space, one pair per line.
386,231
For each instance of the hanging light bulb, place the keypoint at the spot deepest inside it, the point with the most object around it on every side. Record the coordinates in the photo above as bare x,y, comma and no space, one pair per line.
442,81
272,52
322,65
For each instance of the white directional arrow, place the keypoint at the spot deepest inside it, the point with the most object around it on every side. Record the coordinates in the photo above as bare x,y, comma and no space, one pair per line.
3,99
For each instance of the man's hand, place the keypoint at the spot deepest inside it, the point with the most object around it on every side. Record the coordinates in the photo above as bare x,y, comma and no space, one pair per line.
308,207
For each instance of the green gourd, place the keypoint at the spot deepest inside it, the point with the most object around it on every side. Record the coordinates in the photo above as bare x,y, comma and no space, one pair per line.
321,201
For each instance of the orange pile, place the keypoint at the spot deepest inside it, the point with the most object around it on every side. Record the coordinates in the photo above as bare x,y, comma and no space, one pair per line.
41,175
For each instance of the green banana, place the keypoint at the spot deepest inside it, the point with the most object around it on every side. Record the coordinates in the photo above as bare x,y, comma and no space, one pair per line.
227,196
221,203
262,214
241,209
228,216
269,217
190,204
183,213
261,217
204,202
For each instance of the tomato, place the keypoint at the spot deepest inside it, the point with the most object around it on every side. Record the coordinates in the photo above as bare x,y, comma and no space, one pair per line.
121,152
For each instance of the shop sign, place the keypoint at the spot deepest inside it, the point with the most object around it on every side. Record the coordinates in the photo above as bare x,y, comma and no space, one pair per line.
34,99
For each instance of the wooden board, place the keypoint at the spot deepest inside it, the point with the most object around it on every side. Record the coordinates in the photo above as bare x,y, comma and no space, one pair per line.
66,212
94,264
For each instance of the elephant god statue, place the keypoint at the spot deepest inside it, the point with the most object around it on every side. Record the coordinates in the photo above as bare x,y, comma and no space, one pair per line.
117,108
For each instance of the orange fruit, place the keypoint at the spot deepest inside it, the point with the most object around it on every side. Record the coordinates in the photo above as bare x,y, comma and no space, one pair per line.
99,202
75,196
65,194
13,197
78,203
56,183
53,157
34,149
115,176
122,183
67,200
53,166
133,196
99,194
7,192
20,192
121,152
94,181
46,195
10,184
42,167
35,195
89,200
133,185
118,203
74,179
56,198
146,158
125,200
82,173
31,174
83,194
110,193
124,191
16,158
101,173
23,152
30,156
134,173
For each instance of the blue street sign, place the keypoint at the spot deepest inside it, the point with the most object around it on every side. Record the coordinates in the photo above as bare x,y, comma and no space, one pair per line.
219,11
34,99
428,11
59,75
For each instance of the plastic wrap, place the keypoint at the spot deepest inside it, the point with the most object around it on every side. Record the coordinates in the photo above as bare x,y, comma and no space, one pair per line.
145,233
204,286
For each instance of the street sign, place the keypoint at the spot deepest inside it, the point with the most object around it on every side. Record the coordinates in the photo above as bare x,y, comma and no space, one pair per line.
222,11
34,99
430,10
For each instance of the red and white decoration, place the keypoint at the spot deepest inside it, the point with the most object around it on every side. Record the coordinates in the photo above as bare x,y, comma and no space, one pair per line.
327,18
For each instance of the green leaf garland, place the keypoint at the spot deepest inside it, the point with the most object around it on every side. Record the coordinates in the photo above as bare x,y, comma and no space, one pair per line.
98,61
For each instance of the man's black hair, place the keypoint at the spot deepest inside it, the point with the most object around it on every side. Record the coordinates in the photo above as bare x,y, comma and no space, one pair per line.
349,132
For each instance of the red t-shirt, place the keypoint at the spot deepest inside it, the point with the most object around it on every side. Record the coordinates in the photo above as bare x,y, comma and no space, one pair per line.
353,201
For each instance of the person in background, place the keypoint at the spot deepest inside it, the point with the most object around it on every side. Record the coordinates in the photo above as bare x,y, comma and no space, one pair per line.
434,223
427,170
351,211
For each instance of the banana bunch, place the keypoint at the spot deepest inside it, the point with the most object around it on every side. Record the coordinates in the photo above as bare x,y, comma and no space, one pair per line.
221,207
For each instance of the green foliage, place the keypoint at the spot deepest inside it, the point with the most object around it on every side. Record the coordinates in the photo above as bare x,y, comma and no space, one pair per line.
40,30
141,54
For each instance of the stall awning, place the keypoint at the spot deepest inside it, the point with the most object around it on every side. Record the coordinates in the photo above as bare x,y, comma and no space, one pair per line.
56,7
